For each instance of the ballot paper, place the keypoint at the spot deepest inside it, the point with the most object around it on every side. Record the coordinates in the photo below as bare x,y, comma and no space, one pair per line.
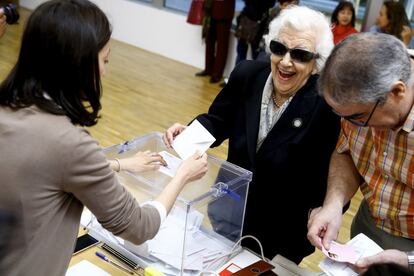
200,249
173,163
85,268
361,245
194,137
341,252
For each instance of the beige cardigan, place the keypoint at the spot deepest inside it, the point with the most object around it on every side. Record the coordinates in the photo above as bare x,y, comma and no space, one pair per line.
50,169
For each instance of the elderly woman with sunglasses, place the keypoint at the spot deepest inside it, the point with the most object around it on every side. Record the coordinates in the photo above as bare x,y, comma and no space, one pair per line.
281,130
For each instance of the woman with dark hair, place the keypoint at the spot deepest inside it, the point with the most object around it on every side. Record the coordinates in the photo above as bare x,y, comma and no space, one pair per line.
343,21
393,20
51,167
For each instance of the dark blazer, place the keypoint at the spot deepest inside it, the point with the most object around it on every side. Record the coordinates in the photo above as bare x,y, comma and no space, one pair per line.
290,168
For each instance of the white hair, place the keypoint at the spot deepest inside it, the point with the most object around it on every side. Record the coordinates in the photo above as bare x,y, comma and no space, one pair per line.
303,19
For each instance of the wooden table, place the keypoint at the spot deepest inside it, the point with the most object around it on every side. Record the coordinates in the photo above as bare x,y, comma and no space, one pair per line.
89,255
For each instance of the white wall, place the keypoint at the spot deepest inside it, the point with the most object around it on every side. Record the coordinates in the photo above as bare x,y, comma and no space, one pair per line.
161,31
30,4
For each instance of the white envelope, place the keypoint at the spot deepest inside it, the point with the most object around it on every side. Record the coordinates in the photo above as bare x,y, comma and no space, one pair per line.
86,268
194,137
173,163
363,246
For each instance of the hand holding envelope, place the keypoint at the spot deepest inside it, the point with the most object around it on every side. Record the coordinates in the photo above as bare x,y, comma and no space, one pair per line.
194,137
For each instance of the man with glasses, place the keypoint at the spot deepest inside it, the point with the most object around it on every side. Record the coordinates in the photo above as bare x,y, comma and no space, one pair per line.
369,81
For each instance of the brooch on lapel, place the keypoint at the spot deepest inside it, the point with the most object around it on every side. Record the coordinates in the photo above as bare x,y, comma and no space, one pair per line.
297,122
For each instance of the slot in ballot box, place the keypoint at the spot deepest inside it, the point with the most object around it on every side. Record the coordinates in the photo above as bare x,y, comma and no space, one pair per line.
205,223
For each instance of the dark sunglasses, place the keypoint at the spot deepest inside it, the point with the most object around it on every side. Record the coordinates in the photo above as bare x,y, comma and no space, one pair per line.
300,55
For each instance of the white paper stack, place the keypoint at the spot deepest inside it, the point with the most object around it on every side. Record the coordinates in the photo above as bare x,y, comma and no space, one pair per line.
363,247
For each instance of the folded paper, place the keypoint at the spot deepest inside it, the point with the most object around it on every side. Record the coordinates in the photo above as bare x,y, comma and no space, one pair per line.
194,137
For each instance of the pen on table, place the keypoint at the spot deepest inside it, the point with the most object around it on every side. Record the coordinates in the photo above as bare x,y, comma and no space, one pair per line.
103,257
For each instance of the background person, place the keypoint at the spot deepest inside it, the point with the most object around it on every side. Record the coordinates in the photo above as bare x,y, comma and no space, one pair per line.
256,11
273,13
393,20
343,21
374,94
54,167
218,15
281,5
273,117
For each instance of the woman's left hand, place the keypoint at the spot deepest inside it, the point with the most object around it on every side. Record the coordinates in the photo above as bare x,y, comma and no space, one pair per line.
387,256
141,162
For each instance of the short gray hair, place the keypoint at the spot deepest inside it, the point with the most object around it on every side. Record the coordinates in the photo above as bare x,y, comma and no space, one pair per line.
303,19
363,68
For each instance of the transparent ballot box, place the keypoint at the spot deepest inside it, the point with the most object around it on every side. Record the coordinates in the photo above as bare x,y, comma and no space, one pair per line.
202,229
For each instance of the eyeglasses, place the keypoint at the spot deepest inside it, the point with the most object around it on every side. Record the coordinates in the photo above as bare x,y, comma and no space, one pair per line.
300,55
353,118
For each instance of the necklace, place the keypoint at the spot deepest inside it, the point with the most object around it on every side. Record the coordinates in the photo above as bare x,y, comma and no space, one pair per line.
277,103
280,102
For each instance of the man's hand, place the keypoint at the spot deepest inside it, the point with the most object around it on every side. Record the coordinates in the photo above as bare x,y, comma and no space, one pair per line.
323,225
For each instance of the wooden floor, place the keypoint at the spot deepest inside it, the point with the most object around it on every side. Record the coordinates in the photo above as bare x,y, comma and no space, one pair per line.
145,92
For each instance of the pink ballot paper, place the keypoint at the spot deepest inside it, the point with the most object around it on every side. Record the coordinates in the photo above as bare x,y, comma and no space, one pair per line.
341,253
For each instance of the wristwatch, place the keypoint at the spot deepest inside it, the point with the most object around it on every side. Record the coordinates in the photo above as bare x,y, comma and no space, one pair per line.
410,256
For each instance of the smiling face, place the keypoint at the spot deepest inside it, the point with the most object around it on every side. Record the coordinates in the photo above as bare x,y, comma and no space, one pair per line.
345,16
289,75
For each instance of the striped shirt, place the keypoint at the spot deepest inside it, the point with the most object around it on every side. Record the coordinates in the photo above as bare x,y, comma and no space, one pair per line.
385,160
